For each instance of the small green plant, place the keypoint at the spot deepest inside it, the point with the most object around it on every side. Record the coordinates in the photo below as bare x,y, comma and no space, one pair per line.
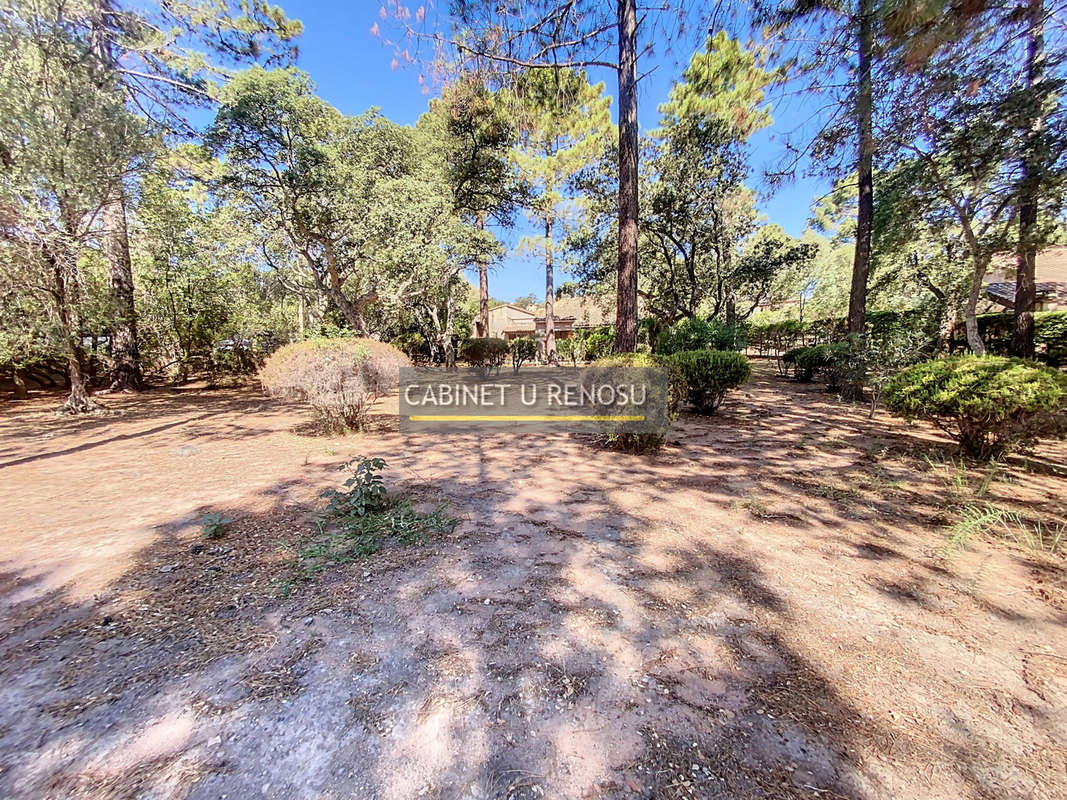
567,350
358,519
213,526
991,404
710,374
991,521
365,489
523,349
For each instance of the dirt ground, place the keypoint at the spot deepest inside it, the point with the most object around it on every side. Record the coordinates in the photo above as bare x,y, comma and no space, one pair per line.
770,607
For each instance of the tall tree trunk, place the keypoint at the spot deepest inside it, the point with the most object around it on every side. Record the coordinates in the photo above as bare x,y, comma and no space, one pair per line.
126,366
626,302
861,264
66,292
970,312
126,372
449,343
1022,339
483,288
550,294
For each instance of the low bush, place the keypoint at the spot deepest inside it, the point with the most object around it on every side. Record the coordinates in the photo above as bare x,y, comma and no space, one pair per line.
1050,337
486,353
594,343
676,389
788,361
991,404
523,349
566,350
413,345
339,378
710,374
694,333
821,358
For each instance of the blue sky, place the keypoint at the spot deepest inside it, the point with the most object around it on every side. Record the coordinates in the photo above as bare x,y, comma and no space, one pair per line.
351,68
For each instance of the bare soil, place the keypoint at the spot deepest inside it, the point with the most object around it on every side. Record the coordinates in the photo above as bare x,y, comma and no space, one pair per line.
769,607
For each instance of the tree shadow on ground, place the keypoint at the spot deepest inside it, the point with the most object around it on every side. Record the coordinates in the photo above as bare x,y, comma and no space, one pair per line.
598,625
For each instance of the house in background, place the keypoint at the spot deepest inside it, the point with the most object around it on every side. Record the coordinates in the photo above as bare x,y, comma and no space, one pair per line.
1050,276
569,314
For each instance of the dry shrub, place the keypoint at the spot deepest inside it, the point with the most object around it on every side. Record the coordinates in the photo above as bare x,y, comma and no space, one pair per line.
339,378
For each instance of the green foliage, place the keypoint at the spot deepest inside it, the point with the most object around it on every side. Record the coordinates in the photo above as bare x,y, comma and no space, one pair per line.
522,349
358,519
485,353
567,350
710,374
676,385
694,333
594,343
676,388
365,490
991,404
213,525
808,360
339,378
1050,336
413,345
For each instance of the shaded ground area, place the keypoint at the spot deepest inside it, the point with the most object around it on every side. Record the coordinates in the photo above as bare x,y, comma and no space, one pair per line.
770,607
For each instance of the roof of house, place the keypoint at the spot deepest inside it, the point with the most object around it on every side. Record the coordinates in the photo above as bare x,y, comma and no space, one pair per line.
1004,292
586,311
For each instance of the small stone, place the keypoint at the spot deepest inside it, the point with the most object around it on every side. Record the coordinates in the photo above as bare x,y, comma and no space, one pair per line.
196,549
309,620
168,568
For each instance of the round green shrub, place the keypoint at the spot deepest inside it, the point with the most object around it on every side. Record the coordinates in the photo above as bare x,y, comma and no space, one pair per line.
710,374
596,342
676,388
486,353
991,404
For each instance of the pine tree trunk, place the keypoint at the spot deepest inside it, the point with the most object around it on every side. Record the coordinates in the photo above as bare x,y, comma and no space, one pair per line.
483,289
550,293
126,366
125,361
626,302
1022,339
861,264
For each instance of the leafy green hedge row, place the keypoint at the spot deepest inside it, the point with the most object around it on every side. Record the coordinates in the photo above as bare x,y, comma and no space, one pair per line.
1050,335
